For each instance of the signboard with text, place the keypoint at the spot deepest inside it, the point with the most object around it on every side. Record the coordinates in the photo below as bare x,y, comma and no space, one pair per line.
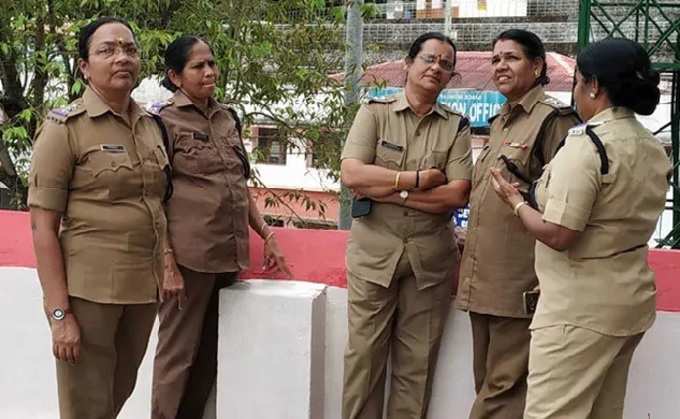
476,105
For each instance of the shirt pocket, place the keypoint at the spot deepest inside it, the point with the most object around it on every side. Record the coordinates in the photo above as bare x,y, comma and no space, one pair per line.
389,155
196,156
518,155
112,171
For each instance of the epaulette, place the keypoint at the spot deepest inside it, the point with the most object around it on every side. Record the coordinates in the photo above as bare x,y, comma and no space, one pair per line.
587,129
578,129
155,108
450,109
237,120
61,115
557,104
383,99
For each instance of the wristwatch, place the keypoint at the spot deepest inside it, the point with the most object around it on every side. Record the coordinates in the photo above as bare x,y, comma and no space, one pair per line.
403,195
59,313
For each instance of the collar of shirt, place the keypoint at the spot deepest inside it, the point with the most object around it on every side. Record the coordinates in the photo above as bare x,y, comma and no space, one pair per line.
610,114
402,104
527,103
181,100
95,106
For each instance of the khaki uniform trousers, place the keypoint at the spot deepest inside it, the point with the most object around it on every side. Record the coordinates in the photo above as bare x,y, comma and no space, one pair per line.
401,319
575,373
500,364
185,366
113,340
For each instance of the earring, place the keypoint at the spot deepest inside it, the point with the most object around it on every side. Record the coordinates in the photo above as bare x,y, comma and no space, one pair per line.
536,73
592,95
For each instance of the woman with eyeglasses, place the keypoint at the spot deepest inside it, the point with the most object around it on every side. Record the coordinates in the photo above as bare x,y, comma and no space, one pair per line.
408,162
598,201
95,191
497,281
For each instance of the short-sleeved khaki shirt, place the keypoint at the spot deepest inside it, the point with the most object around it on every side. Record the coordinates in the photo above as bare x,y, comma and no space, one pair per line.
208,211
602,282
497,266
106,177
390,135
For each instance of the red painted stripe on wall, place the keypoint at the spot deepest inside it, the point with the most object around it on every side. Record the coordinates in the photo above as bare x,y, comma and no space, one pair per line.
315,256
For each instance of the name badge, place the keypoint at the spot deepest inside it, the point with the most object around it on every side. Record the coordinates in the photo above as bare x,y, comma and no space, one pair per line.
391,146
113,148
200,136
516,145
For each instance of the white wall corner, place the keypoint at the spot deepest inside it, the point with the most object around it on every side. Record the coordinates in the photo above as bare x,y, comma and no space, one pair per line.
271,350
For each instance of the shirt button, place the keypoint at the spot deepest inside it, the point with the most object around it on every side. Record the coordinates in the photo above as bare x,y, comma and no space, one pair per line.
405,213
417,133
113,164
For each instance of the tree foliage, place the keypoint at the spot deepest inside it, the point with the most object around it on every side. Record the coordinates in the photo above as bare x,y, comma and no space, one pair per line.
275,58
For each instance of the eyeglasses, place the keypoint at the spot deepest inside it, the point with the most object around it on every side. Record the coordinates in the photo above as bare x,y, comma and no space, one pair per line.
109,50
430,59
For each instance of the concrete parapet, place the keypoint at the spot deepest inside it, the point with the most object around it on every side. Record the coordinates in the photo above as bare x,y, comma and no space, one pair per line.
271,350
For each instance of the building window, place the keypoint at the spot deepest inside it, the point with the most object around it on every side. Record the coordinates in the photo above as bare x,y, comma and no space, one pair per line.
271,147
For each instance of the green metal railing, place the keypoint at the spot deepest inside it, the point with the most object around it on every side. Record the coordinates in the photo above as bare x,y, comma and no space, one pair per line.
655,24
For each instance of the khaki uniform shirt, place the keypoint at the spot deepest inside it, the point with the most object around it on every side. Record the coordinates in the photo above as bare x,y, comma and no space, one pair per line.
106,177
498,258
208,211
390,135
602,282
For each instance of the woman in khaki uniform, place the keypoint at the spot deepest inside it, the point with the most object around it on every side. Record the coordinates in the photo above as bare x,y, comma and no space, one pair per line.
497,267
95,193
411,157
208,218
599,200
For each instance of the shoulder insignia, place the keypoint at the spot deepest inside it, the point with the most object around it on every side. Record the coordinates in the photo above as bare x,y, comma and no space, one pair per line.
449,109
555,103
561,107
383,99
578,129
61,115
155,108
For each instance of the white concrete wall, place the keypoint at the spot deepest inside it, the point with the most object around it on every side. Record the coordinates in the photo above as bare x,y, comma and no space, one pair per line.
653,385
27,376
28,385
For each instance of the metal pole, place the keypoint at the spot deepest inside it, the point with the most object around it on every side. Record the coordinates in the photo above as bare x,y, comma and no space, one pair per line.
447,17
353,70
583,24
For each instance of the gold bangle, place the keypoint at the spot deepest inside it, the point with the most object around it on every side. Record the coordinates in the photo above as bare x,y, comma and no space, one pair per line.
515,210
396,181
269,236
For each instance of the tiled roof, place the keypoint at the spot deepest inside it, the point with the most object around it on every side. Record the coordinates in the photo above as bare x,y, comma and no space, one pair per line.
474,69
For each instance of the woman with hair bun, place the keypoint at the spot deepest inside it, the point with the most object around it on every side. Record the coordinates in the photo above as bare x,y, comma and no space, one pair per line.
208,218
598,203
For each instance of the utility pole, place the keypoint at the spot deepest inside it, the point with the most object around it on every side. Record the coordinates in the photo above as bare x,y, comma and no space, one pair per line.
447,17
353,70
